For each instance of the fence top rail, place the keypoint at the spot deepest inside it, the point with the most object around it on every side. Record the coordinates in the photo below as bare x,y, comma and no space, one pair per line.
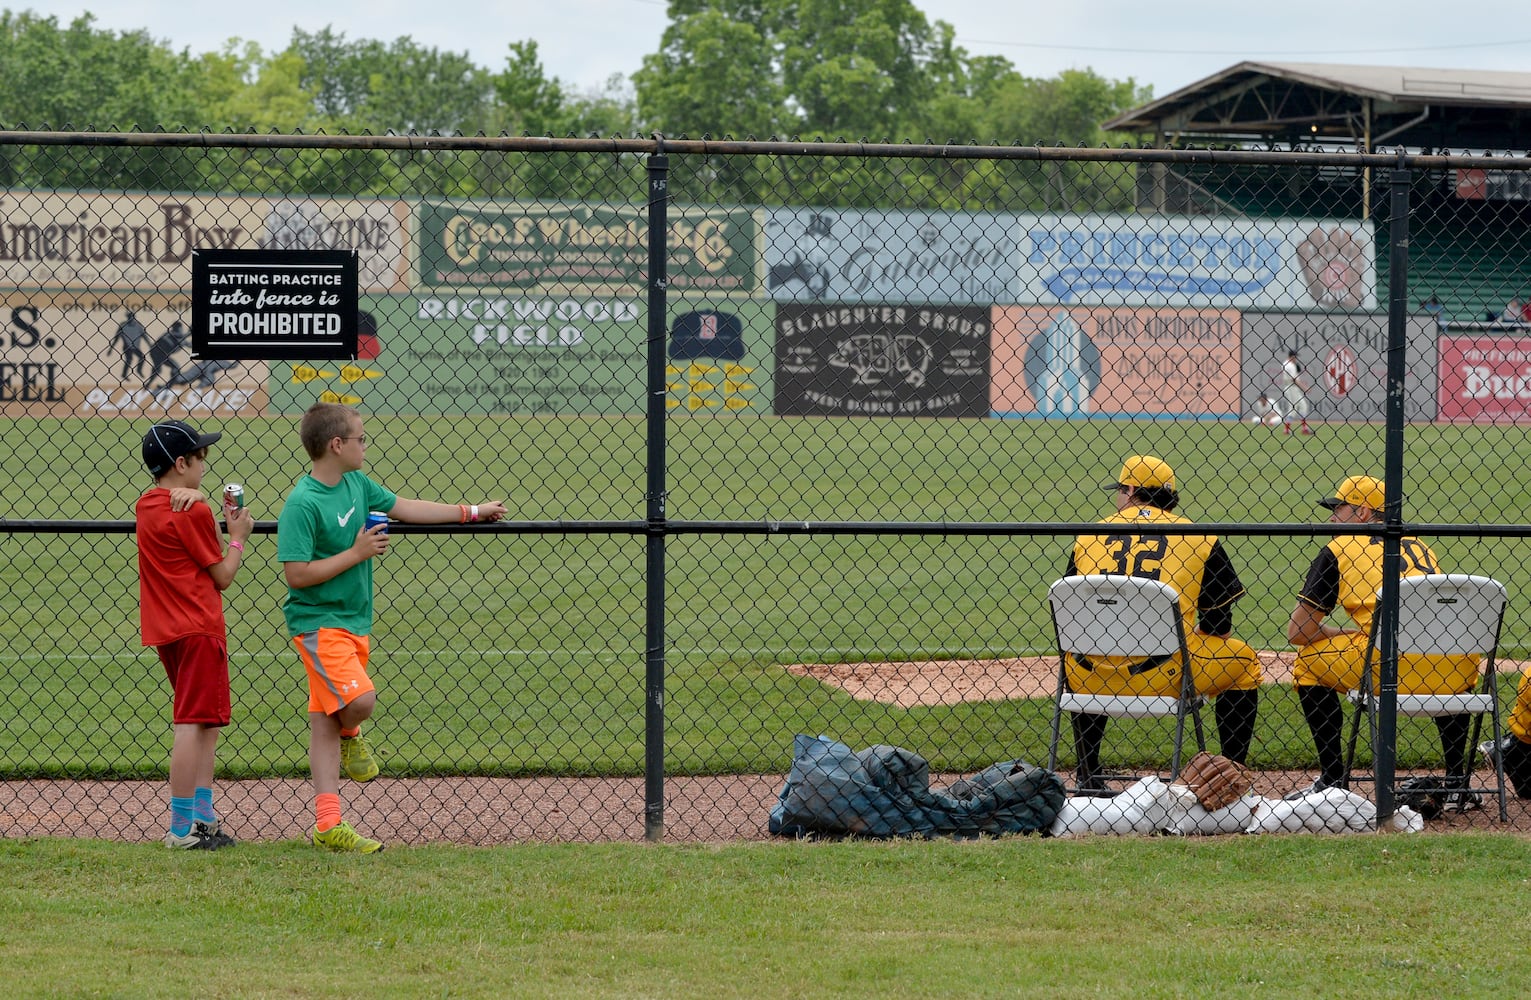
753,147
798,526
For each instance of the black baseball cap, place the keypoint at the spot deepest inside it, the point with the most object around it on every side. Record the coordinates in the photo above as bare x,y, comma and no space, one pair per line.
168,440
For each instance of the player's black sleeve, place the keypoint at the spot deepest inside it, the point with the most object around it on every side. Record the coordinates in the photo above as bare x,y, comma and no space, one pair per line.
1220,587
1322,587
1072,569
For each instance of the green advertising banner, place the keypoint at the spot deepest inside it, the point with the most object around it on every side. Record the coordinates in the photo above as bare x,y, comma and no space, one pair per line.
536,354
581,248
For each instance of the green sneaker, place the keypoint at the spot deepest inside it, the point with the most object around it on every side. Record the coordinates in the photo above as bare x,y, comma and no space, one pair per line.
356,759
342,838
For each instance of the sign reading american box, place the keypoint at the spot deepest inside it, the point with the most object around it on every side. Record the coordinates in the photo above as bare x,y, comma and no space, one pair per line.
139,243
273,304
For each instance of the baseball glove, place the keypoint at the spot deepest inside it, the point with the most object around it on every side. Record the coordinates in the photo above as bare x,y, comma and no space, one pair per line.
1216,781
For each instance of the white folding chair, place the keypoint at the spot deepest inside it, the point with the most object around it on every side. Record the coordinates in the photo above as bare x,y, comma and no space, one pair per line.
1097,615
1446,614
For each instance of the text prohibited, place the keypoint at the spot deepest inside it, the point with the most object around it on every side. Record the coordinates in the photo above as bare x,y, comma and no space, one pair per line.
273,304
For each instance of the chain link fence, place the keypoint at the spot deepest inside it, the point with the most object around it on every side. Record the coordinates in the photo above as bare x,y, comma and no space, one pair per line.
813,476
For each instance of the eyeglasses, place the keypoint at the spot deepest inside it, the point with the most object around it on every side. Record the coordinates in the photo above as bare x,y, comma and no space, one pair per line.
358,437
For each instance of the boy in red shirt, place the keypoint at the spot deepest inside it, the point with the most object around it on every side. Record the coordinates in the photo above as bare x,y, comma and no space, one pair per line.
182,572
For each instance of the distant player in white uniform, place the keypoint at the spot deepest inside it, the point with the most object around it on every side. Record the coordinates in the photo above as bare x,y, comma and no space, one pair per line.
1265,412
1295,387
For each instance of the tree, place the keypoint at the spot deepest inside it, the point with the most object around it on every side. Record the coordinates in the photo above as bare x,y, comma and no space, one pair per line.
335,72
1067,109
415,89
528,101
855,67
242,88
764,67
715,74
83,77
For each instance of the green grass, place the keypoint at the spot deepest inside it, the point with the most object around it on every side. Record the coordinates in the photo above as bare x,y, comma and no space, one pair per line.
506,654
1362,916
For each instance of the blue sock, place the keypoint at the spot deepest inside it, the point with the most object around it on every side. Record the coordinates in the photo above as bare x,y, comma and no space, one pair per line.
180,815
204,806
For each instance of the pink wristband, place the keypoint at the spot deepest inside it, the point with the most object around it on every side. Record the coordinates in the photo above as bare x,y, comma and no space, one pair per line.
235,543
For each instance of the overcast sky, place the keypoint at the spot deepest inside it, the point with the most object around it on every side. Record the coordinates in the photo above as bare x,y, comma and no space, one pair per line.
1167,45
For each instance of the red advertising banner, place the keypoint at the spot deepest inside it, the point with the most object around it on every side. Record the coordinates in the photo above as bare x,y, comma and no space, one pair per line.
1494,185
1074,362
1485,380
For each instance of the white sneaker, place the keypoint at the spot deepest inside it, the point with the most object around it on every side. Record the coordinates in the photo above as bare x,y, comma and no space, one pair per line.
195,839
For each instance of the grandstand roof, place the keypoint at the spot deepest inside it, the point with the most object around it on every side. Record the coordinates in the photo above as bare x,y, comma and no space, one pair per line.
1375,106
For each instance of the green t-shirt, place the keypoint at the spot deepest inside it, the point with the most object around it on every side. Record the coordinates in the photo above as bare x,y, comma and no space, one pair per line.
320,521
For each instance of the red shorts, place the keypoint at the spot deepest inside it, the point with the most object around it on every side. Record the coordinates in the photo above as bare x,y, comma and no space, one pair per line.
337,667
198,669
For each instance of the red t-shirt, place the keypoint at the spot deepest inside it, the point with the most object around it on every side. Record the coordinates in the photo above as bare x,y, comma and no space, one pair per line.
175,549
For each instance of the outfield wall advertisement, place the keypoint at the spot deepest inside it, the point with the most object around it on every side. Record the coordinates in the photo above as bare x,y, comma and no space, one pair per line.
65,354
1169,260
567,248
848,255
1077,362
1343,362
1485,379
540,354
540,307
882,360
975,258
143,242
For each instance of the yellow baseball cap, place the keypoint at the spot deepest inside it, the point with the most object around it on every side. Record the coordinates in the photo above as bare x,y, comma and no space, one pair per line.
1143,471
1358,491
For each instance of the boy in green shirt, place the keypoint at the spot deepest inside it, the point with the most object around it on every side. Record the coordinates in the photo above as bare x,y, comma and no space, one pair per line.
326,551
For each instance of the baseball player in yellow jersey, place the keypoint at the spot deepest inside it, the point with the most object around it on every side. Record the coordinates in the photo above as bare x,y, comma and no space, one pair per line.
1515,745
1198,567
1347,573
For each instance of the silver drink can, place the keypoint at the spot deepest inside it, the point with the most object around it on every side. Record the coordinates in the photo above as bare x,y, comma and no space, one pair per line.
233,496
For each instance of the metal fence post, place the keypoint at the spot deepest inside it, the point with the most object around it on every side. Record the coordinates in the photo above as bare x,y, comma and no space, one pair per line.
654,626
1386,751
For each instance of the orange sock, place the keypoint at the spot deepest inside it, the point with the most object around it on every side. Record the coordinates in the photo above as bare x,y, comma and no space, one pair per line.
326,811
350,734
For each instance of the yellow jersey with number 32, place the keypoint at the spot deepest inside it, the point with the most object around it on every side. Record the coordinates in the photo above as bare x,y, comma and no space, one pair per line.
1195,565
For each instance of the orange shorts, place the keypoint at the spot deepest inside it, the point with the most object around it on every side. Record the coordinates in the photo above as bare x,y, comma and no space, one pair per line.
337,667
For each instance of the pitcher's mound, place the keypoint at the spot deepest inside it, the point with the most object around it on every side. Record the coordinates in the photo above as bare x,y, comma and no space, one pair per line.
916,683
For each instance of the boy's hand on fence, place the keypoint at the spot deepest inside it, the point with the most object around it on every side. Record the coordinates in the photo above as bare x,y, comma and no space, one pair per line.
491,510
